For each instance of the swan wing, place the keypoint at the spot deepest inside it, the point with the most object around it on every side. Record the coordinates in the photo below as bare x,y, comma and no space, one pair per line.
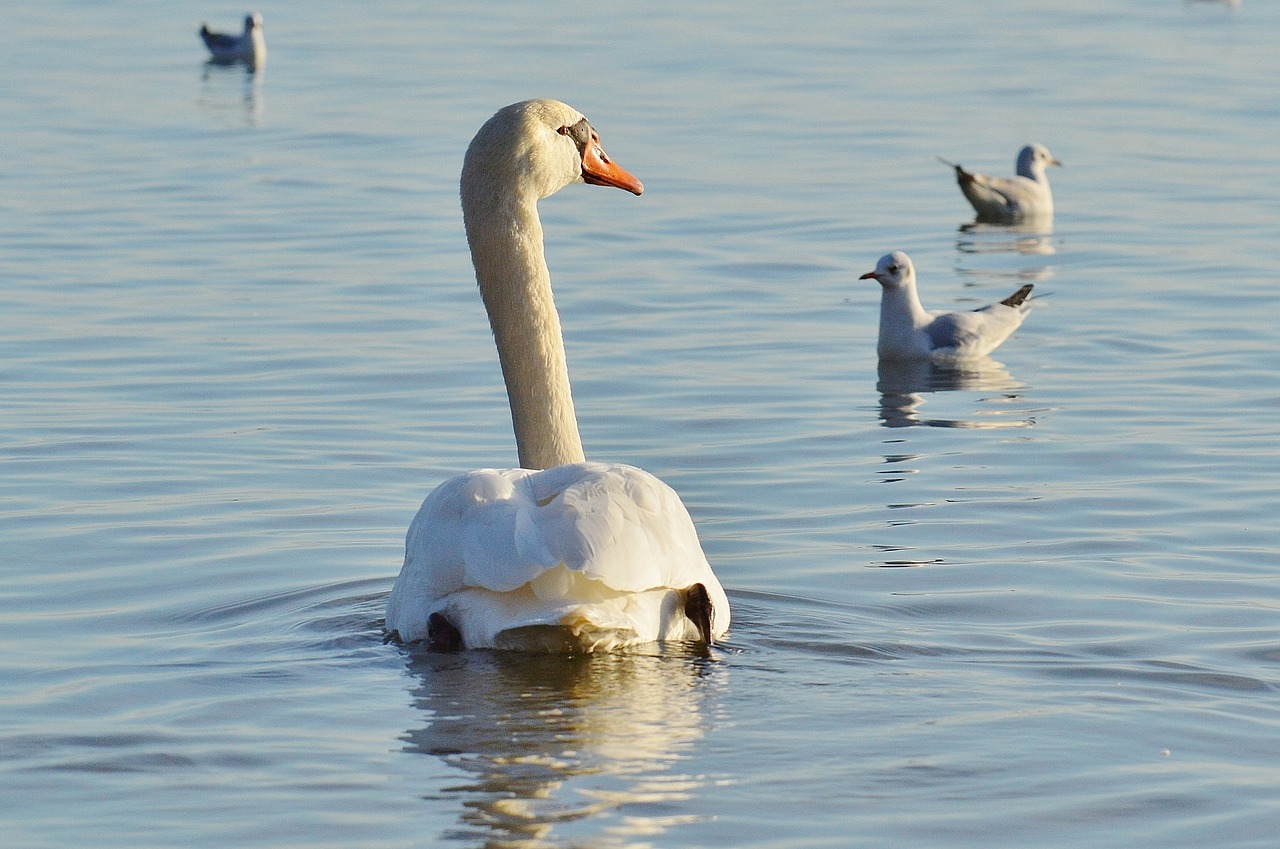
579,534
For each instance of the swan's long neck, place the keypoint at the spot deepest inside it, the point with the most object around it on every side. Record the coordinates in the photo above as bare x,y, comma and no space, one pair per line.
505,236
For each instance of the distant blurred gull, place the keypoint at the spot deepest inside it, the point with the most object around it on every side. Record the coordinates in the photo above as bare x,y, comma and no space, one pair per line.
1011,199
909,331
249,46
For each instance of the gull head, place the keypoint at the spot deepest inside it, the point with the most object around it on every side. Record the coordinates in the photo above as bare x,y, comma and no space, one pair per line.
1034,158
893,271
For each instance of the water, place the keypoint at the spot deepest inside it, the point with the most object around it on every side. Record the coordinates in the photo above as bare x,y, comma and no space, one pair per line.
1033,605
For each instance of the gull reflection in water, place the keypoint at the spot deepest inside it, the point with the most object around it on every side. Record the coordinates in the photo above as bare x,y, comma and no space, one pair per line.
1032,237
233,90
564,750
904,385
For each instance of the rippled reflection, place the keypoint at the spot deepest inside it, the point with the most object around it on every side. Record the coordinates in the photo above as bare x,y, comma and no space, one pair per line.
234,88
563,750
904,385
1032,237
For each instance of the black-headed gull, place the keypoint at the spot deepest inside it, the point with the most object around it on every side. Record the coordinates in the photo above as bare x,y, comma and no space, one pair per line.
909,331
1011,199
249,46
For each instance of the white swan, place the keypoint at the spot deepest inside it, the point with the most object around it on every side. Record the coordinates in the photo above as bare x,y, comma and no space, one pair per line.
1011,199
250,46
909,331
561,554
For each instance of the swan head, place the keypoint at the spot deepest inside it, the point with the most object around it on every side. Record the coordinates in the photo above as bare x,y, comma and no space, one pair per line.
1033,159
537,147
893,271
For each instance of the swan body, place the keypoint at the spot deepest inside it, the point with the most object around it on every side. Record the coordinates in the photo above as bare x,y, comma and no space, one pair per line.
561,554
585,556
1023,197
909,331
249,46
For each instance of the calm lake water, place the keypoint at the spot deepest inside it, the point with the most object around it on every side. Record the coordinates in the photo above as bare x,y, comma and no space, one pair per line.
1034,605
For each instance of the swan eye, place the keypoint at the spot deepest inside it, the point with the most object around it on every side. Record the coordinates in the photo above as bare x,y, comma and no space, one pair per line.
581,133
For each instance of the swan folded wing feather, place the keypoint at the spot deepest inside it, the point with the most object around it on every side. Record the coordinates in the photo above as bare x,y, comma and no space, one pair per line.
465,535
435,545
501,529
623,527
500,544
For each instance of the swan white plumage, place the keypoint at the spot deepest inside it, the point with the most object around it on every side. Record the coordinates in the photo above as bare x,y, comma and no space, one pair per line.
909,331
1010,200
560,554
250,46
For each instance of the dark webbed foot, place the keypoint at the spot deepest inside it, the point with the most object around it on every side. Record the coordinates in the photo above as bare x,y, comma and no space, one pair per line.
697,606
442,635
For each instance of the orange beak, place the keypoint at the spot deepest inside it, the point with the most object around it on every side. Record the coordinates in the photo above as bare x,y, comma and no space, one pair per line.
599,170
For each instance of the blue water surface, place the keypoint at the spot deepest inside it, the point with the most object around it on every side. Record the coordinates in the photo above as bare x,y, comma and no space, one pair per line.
1029,604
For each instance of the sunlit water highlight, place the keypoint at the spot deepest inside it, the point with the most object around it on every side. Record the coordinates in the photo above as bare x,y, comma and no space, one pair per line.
1029,602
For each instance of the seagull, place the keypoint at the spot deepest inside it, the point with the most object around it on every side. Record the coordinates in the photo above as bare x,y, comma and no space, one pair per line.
1011,199
908,331
249,46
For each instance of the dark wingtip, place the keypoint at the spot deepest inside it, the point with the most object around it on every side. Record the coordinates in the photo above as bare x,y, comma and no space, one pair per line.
962,175
1018,297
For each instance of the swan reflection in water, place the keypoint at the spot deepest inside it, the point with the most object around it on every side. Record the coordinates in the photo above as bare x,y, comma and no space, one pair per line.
904,385
564,750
